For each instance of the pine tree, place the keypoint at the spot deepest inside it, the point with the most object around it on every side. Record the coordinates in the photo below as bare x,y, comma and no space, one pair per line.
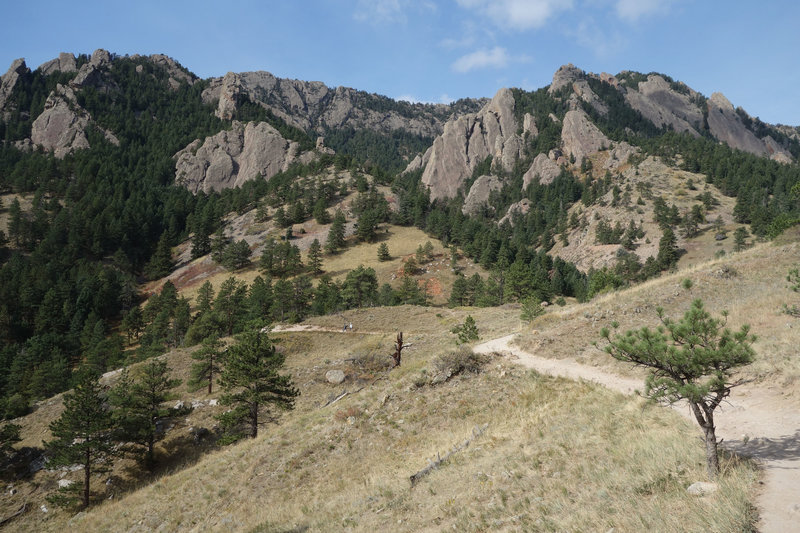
139,407
160,263
205,297
9,435
252,383
692,359
383,252
466,332
740,238
335,239
315,257
83,433
667,250
207,365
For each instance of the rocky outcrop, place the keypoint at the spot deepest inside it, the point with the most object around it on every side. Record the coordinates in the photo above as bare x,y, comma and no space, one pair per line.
727,126
311,105
479,194
566,75
619,155
91,73
543,170
177,74
9,80
61,127
579,137
665,107
65,62
469,140
518,208
233,157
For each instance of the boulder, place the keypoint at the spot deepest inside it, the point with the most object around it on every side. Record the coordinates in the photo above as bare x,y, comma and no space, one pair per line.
543,169
65,483
701,488
230,158
65,62
335,377
479,194
619,155
579,137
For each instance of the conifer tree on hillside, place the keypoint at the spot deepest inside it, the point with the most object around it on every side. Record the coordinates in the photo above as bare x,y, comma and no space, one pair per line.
335,239
83,433
315,257
691,359
253,385
139,409
207,365
383,252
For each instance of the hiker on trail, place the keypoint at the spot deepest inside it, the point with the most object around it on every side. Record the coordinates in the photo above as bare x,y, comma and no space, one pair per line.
344,328
351,326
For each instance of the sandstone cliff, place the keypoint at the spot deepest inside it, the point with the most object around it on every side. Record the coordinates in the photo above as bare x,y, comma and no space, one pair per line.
9,80
468,140
579,137
479,193
311,105
65,62
232,157
61,127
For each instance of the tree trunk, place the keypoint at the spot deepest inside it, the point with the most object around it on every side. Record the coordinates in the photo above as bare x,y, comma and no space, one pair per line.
254,420
712,459
87,470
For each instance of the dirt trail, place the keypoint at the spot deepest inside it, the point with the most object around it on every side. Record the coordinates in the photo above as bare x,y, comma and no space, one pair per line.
310,327
756,422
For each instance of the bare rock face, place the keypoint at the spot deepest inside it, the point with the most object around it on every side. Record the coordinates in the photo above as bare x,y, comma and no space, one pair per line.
65,62
522,207
543,169
658,102
619,155
61,127
176,73
230,158
726,125
469,140
90,74
580,137
9,80
311,105
479,194
566,75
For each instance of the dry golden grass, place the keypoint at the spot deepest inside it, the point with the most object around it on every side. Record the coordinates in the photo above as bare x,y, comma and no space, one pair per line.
750,284
556,455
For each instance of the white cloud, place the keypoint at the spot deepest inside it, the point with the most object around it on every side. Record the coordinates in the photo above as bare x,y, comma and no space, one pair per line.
497,57
518,14
380,11
633,10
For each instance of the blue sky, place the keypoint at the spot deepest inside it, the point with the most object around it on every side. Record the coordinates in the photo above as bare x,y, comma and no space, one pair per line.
439,50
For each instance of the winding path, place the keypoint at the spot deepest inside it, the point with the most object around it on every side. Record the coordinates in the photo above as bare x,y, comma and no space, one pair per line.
756,422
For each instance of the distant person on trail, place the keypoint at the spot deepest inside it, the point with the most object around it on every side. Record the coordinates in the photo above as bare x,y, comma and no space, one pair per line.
351,326
344,328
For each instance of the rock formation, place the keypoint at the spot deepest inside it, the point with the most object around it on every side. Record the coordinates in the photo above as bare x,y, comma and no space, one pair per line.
543,169
61,127
658,102
91,73
579,137
230,158
65,62
479,194
518,208
311,105
468,140
9,80
726,125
